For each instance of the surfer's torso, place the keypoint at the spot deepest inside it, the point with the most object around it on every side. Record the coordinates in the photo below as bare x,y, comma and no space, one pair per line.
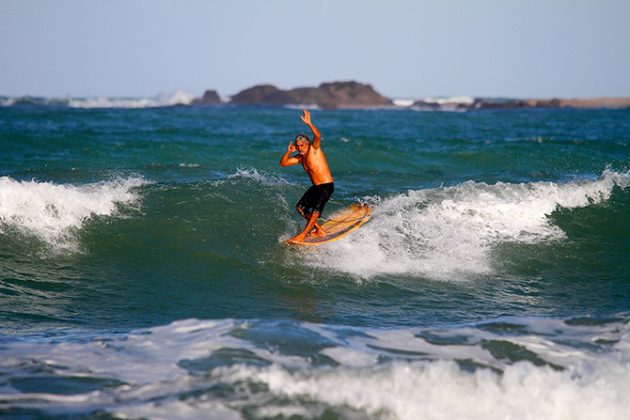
316,166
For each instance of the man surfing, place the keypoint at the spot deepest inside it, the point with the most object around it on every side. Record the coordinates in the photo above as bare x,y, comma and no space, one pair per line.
313,160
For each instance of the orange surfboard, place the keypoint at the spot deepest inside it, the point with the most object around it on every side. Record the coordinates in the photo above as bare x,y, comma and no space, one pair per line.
339,225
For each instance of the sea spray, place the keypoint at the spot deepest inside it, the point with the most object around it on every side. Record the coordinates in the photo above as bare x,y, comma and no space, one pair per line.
449,233
54,213
260,177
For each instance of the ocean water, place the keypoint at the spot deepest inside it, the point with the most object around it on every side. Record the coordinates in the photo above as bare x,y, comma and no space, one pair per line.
142,276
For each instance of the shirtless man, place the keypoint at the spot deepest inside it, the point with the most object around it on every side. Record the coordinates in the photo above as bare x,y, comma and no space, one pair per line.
313,160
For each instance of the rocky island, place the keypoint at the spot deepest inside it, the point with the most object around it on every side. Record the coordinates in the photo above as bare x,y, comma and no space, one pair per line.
333,95
327,96
355,95
210,97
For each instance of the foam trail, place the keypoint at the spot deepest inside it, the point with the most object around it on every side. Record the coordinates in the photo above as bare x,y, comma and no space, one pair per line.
448,233
562,371
55,212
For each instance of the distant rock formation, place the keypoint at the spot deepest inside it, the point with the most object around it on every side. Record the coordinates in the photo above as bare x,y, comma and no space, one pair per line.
355,95
506,103
210,97
604,102
481,103
259,94
327,95
444,105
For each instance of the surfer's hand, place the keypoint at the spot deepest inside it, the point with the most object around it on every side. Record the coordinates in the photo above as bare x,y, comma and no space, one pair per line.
291,148
306,117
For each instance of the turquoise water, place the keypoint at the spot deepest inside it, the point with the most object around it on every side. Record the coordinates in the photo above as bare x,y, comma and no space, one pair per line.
141,271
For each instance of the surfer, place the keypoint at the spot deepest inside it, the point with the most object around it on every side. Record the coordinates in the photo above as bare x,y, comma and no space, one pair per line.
313,160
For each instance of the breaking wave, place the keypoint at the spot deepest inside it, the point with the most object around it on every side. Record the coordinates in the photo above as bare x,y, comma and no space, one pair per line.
522,368
177,98
54,213
447,233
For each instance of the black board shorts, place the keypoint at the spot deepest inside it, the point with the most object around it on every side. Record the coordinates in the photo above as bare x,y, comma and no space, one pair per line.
316,197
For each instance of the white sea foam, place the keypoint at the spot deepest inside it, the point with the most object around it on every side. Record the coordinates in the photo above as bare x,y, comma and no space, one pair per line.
450,233
258,176
403,102
302,106
175,409
177,98
453,100
453,104
166,371
55,212
7,101
438,390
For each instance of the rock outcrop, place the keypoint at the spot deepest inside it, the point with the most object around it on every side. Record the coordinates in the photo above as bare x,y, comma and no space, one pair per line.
355,95
481,103
210,97
327,95
505,103
604,102
259,94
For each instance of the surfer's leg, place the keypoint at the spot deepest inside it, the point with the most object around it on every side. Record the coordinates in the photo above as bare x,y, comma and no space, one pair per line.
307,216
324,192
309,226
312,222
319,231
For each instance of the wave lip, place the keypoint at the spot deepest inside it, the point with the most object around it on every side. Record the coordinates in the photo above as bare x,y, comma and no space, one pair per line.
54,213
449,233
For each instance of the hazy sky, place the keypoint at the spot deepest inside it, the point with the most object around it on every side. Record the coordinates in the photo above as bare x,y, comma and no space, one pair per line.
533,48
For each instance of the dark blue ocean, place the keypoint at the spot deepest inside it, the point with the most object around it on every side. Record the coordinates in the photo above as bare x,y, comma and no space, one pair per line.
142,273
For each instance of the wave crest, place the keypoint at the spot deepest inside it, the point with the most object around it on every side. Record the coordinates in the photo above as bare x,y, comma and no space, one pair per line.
55,212
446,233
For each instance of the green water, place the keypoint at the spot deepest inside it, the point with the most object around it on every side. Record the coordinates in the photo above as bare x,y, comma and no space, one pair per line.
113,220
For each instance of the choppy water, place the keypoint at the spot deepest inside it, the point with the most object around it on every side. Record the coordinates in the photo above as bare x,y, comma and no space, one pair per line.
141,273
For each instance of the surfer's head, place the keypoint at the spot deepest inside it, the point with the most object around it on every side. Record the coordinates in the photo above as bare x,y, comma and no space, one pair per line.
302,143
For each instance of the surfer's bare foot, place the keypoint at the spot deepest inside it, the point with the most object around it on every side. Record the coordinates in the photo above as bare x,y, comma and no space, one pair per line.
298,238
318,232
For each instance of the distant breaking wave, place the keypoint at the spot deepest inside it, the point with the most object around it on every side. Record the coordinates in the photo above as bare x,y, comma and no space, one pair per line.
451,100
177,98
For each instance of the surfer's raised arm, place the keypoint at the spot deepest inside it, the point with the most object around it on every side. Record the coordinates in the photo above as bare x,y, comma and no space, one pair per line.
287,159
306,118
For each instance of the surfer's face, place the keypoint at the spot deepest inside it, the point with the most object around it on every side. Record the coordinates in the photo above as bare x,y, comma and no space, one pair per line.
302,146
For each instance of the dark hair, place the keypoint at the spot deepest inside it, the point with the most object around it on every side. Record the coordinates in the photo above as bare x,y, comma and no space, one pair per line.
301,136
